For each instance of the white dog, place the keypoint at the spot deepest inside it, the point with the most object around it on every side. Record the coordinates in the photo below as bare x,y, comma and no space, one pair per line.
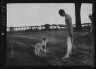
41,46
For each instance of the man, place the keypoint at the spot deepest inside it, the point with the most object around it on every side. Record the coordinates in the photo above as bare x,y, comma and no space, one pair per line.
69,32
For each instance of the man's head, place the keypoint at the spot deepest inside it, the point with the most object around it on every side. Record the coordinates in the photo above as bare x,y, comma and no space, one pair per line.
62,12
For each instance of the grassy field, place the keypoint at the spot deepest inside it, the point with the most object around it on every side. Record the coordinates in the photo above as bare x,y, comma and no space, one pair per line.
24,51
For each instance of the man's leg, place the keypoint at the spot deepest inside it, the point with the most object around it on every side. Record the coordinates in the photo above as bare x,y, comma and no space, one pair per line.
69,47
71,44
73,47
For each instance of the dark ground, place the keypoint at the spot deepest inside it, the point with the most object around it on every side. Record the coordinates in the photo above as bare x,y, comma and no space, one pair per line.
24,52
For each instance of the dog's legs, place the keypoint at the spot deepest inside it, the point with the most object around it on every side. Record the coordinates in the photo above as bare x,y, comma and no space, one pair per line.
38,51
35,51
45,50
41,48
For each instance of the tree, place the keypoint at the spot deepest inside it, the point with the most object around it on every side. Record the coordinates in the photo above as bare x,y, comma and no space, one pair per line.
36,28
42,27
47,26
78,19
89,33
11,29
31,28
90,16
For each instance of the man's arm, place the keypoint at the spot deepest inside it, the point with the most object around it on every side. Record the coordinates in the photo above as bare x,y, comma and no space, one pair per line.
71,26
71,30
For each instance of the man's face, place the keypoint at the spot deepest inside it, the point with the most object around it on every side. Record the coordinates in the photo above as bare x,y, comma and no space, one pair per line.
62,14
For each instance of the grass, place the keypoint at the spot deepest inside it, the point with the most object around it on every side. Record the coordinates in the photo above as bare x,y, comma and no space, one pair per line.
24,52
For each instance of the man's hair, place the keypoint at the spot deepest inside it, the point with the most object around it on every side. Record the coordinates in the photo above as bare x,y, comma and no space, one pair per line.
61,11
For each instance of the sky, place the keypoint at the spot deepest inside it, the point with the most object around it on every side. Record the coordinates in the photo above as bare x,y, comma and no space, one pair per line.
32,14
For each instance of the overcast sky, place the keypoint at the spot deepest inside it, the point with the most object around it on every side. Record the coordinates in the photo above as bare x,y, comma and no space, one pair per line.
31,14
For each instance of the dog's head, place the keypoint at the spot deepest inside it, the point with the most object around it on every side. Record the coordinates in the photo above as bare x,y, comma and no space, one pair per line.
45,39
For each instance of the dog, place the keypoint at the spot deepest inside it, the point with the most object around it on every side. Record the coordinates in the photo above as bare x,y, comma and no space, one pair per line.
41,46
